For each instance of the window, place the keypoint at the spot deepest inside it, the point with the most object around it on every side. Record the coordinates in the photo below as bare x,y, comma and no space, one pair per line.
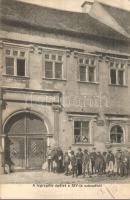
87,69
121,77
113,76
117,73
15,62
53,66
48,69
81,132
58,70
82,73
91,71
20,67
116,134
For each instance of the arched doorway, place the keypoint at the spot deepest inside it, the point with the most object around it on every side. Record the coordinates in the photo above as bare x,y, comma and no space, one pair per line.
25,141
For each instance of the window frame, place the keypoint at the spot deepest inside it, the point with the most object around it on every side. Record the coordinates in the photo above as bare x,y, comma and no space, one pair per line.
16,57
123,132
87,65
89,132
57,54
124,70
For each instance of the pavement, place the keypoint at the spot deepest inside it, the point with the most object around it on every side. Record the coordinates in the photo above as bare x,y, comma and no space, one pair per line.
44,177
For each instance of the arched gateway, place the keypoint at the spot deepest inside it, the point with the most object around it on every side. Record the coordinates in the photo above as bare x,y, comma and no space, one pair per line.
25,141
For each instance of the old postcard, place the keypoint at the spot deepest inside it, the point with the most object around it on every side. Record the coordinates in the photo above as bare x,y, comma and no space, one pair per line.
64,99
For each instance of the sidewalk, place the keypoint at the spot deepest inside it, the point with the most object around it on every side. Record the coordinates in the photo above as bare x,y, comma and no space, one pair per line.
46,177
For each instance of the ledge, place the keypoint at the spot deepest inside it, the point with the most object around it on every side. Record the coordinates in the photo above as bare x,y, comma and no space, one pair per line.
16,77
120,86
53,79
15,89
87,82
83,144
115,145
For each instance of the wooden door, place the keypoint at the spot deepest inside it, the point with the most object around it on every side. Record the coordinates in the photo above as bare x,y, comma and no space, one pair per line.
36,151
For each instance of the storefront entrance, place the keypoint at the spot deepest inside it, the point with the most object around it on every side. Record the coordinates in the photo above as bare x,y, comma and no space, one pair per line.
25,141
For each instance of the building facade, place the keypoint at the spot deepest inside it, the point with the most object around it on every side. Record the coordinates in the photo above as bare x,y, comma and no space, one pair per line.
64,80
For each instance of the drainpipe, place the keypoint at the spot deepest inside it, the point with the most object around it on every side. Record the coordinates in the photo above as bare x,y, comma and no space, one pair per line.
1,132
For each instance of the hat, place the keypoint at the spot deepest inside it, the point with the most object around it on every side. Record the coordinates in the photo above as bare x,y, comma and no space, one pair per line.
79,149
85,150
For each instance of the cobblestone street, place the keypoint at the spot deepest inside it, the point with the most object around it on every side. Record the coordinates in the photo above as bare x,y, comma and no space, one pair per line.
45,177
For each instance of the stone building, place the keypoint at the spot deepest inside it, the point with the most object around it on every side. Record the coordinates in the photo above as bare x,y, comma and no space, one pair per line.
64,79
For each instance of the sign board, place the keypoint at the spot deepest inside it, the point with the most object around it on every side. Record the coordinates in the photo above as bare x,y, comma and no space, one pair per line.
32,97
100,123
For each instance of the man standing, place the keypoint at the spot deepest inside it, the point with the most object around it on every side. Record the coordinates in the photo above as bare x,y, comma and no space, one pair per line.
66,163
118,160
79,160
99,163
104,162
49,159
85,162
110,162
129,162
73,164
124,164
59,160
93,156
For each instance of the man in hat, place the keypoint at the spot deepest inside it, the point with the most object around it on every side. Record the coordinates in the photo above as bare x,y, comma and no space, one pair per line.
79,160
85,162
110,162
129,162
118,160
93,156
99,163
73,164
66,163
49,159
124,163
104,162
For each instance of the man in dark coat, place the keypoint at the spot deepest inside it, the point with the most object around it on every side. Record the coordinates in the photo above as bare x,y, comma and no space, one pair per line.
118,160
59,160
124,164
110,162
93,156
99,163
49,159
79,161
85,162
73,164
104,161
129,162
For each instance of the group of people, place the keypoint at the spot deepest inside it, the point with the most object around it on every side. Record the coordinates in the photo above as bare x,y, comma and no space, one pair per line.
88,163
